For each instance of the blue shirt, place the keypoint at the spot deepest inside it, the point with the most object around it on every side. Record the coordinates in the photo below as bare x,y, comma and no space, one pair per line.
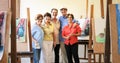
63,23
37,34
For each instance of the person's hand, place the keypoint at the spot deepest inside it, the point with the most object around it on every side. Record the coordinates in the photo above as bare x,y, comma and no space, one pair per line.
37,45
35,42
67,37
54,44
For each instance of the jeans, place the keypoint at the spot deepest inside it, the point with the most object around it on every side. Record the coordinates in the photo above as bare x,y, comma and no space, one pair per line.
36,55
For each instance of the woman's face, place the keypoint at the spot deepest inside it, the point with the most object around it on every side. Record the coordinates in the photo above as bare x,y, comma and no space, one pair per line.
39,21
47,19
69,18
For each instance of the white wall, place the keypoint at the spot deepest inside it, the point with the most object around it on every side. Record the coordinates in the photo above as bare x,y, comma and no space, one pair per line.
77,7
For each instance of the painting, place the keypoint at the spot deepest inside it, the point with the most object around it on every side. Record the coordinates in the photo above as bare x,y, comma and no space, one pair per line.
2,32
20,29
118,24
100,38
100,30
84,25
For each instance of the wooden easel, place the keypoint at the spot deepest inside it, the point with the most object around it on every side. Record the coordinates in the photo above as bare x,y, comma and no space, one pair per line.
98,48
5,6
90,50
30,53
114,34
5,55
102,8
16,56
107,41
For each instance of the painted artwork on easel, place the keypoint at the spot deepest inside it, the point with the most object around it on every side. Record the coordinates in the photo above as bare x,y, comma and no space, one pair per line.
20,29
100,38
118,24
100,30
2,32
84,25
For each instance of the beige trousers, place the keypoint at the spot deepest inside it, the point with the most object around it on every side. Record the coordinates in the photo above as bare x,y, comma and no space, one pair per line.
63,53
48,52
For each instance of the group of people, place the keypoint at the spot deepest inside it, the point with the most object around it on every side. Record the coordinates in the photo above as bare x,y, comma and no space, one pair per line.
53,35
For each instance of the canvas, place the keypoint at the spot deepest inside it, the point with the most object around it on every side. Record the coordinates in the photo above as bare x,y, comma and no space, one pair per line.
100,30
2,32
118,24
20,29
84,25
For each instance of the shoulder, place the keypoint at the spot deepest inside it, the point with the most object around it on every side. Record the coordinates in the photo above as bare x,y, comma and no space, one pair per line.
34,25
60,18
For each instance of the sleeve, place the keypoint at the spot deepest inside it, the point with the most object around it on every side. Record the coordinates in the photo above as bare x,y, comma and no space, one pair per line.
40,36
58,24
33,31
78,29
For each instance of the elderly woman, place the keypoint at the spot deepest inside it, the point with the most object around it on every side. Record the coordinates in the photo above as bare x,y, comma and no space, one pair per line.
70,33
37,38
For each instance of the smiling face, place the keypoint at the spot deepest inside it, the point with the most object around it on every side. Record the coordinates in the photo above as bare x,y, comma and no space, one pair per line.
39,21
47,19
54,12
70,18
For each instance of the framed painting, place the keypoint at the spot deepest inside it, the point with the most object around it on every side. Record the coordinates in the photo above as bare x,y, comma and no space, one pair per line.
21,29
100,30
2,32
84,25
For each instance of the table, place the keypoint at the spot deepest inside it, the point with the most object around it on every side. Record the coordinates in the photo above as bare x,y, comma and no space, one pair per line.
85,43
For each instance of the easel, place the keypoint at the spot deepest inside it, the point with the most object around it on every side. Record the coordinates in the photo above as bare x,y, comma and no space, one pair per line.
4,7
102,8
30,53
114,34
5,55
97,49
107,42
90,50
16,56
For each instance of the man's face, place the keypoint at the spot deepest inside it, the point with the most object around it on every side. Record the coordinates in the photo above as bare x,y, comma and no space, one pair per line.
64,12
